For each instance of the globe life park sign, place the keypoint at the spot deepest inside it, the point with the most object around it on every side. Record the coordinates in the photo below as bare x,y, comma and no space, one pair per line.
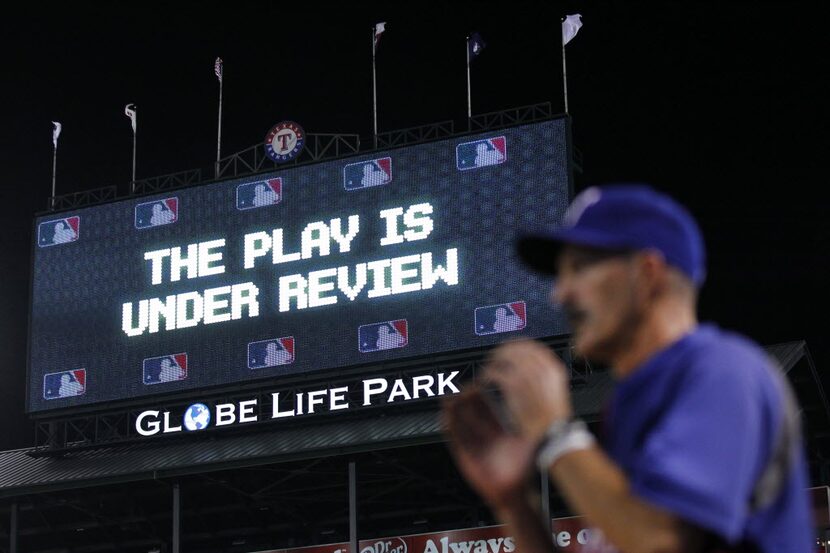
374,392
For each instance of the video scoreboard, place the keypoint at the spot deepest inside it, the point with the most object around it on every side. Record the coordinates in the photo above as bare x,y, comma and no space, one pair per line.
371,258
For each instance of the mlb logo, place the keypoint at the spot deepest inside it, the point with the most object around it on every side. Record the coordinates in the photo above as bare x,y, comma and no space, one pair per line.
259,194
365,174
481,153
157,213
64,384
271,353
166,368
58,231
385,335
504,317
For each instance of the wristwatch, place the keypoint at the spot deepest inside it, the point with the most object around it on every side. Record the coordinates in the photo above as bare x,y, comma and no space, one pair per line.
561,437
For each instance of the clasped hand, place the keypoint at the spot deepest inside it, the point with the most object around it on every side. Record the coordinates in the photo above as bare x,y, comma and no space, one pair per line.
494,445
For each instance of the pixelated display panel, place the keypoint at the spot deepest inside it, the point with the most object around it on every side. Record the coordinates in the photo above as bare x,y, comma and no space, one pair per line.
372,258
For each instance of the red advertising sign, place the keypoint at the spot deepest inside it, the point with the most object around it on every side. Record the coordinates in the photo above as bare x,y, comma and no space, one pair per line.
570,534
328,548
573,534
489,539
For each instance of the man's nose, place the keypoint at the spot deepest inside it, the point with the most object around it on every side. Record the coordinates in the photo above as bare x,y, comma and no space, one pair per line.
563,289
558,291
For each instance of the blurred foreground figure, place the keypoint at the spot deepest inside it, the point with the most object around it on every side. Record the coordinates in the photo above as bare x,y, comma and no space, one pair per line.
702,449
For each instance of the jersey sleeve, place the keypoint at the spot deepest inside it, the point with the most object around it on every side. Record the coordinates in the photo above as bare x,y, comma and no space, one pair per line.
701,460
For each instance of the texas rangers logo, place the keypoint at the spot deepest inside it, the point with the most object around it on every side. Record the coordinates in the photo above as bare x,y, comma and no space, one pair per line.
58,231
284,141
270,353
372,172
481,153
385,335
165,368
503,317
259,194
156,213
64,384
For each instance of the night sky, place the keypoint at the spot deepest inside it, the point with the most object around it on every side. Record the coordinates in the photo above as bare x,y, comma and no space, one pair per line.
722,106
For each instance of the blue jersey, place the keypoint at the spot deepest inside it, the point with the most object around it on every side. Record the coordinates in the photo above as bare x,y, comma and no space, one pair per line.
694,427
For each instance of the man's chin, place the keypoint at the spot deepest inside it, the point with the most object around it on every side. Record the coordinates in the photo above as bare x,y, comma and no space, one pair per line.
589,349
581,345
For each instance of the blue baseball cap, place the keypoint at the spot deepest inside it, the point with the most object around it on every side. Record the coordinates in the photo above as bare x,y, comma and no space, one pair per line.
622,217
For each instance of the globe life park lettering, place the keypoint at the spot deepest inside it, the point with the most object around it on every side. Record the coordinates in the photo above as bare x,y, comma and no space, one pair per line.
329,286
376,391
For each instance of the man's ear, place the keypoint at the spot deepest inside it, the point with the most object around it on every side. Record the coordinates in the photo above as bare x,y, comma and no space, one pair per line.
654,271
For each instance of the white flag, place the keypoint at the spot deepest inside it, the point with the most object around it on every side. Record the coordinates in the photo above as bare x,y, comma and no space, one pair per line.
379,28
217,68
56,132
570,26
129,111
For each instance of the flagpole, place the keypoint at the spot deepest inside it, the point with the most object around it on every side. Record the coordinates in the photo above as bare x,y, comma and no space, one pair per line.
54,166
374,90
135,134
469,104
219,126
564,66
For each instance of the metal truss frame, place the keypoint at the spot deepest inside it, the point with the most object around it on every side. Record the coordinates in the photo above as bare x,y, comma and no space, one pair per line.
166,182
509,117
415,135
318,147
82,199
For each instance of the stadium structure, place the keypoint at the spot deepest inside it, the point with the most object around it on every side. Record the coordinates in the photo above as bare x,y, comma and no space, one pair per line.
306,446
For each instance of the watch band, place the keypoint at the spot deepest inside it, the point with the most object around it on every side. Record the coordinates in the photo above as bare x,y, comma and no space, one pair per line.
561,437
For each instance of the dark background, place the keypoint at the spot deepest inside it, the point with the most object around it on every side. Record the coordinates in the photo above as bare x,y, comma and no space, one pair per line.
721,104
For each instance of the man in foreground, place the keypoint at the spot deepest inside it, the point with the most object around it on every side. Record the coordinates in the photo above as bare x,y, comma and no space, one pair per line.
703,449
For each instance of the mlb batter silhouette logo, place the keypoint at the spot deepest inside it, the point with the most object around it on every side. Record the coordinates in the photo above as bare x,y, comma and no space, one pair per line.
259,194
58,231
157,213
504,317
481,153
373,172
64,384
385,335
165,368
270,353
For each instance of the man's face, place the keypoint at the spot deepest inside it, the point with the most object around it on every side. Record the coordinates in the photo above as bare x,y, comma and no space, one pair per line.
599,291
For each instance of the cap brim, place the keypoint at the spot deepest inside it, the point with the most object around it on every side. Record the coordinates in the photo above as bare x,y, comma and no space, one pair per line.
540,250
